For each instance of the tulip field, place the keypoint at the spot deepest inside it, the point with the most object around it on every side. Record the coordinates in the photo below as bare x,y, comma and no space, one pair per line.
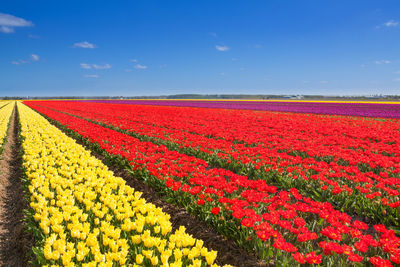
369,109
292,183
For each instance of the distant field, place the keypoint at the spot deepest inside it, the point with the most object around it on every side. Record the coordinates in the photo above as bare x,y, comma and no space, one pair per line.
346,108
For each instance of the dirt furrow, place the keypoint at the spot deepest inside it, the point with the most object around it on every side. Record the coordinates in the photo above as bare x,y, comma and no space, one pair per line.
14,241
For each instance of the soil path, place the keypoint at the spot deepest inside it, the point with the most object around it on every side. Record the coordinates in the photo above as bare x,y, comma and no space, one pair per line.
14,242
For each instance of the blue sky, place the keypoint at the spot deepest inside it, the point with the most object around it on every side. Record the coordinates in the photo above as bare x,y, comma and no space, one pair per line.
148,47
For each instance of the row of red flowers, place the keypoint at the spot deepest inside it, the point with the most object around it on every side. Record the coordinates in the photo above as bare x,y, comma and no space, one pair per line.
343,137
310,231
275,152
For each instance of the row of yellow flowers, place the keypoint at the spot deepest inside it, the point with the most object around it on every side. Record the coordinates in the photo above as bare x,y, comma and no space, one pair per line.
86,216
6,109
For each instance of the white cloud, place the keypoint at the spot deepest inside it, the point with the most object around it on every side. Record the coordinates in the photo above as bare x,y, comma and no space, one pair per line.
213,34
34,57
396,80
84,44
85,66
134,60
6,29
222,48
9,22
397,72
379,62
12,21
101,67
95,66
222,73
323,82
391,23
91,76
140,67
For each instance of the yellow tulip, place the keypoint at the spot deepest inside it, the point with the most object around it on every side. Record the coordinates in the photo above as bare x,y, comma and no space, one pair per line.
139,258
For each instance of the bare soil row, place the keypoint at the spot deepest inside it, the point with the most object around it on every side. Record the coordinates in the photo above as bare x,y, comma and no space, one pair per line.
15,242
